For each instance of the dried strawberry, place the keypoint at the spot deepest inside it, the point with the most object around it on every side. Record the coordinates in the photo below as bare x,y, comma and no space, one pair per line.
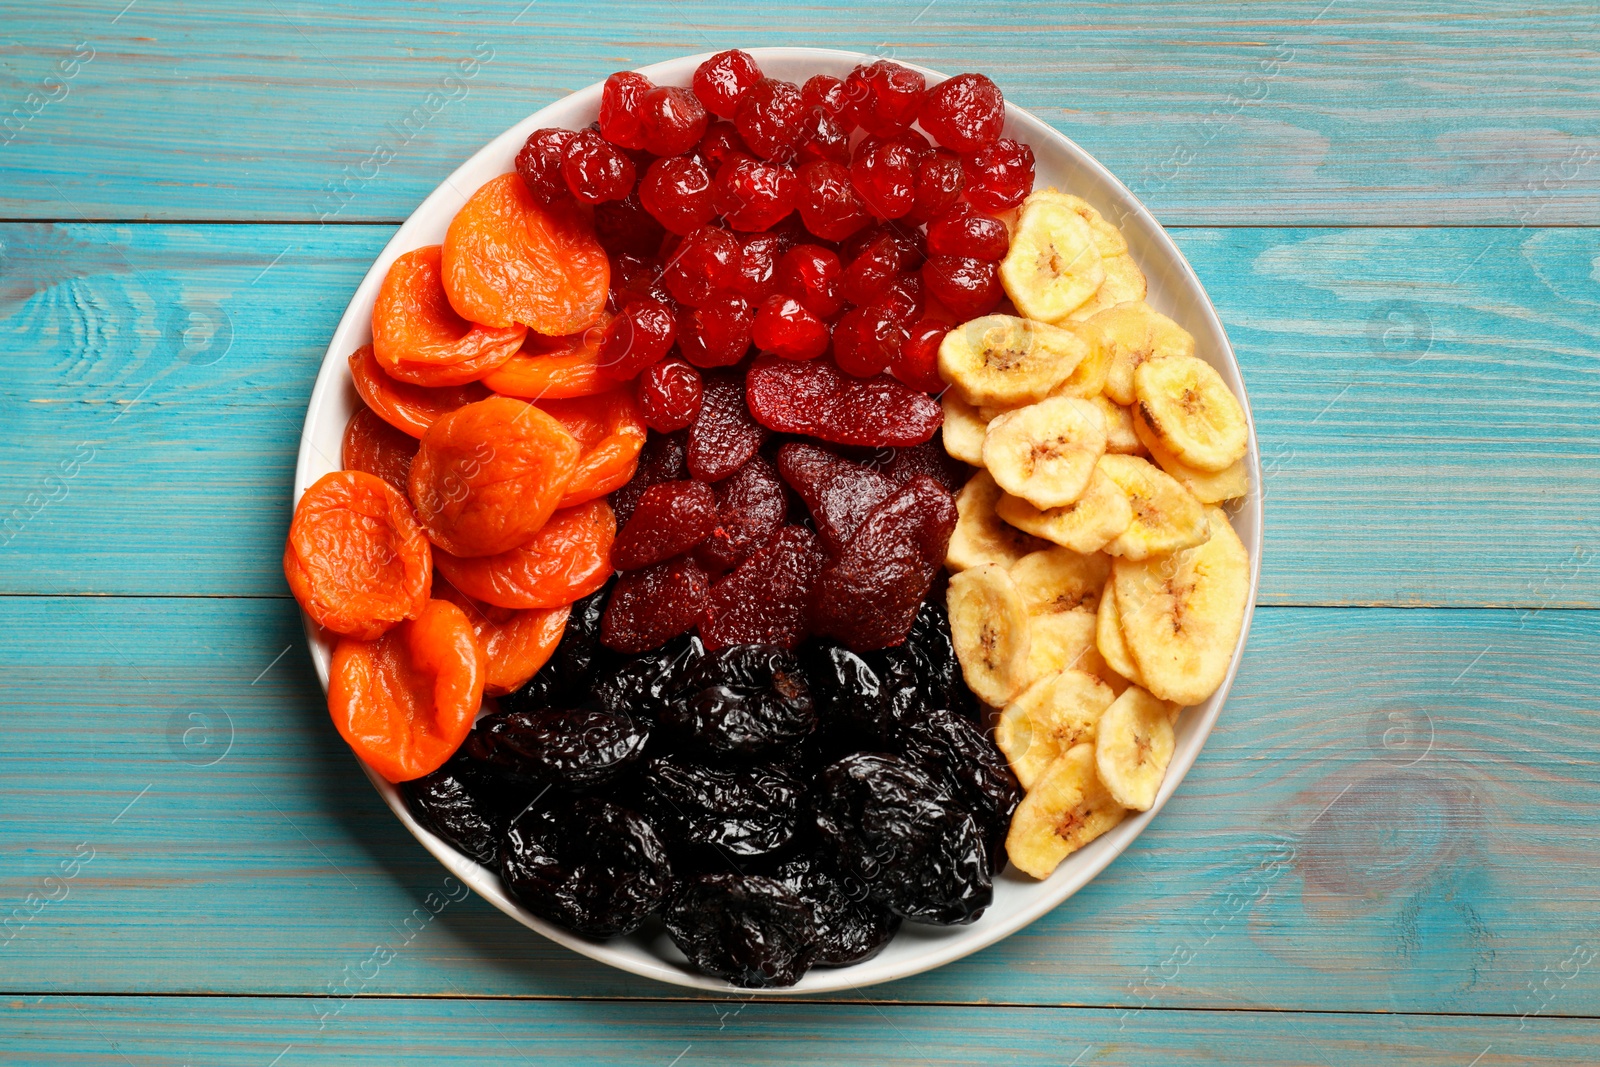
661,460
840,494
751,504
648,608
767,598
817,399
724,437
870,594
671,519
928,459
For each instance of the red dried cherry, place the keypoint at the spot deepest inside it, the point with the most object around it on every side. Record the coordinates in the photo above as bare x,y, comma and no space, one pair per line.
636,338
918,362
720,81
999,176
636,276
624,226
965,113
669,520
821,137
620,108
677,191
965,232
755,275
828,203
825,92
866,340
812,274
884,173
701,265
751,504
769,118
721,141
669,395
817,399
595,170
648,608
716,334
753,194
904,300
786,327
672,119
868,276
884,97
968,287
939,185
907,239
539,164
767,598
724,437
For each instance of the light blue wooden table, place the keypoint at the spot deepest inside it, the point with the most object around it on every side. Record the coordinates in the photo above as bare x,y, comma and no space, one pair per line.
1395,209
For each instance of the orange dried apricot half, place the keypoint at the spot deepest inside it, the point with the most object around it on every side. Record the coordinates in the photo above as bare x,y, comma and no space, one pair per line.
566,560
373,446
517,643
418,337
408,407
611,431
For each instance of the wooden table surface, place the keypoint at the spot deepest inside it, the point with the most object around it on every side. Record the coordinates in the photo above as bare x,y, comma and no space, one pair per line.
1395,210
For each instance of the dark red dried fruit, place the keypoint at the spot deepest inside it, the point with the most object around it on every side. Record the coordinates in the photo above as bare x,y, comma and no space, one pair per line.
722,79
884,173
965,113
869,596
661,460
670,519
968,287
678,193
767,598
866,340
884,97
770,118
828,202
965,232
717,334
539,164
928,459
812,275
753,194
839,494
621,108
702,264
825,92
636,277
822,137
669,395
868,276
648,608
907,239
624,227
595,170
918,361
939,185
724,437
756,275
751,504
636,338
904,300
785,326
672,120
817,399
1000,176
721,141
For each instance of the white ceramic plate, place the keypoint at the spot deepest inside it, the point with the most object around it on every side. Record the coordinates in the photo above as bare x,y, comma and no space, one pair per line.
1174,290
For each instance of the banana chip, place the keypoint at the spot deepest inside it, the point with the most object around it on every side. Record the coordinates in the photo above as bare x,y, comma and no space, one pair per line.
1067,808
1121,437
1058,579
963,429
1185,404
1048,718
1127,335
1124,284
1208,487
1109,641
1063,641
1046,452
1166,516
989,628
1088,524
1132,747
1053,265
1003,361
980,537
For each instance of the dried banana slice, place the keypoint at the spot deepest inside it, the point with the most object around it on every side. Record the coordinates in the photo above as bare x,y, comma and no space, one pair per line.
1058,579
1049,717
1121,437
1127,335
1208,487
1004,361
1087,524
980,537
1053,265
1067,808
1046,452
1108,240
1166,516
1059,642
1124,283
1182,614
1133,745
963,429
1088,378
989,628
1185,403
1113,648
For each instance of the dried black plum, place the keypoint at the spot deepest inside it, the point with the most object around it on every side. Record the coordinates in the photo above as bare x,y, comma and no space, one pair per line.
586,864
891,824
642,686
852,709
849,925
972,768
753,931
744,700
741,812
937,669
567,674
576,748
446,803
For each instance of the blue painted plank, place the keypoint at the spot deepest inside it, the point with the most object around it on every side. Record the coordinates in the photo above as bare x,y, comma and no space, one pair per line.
1303,111
1394,814
1425,402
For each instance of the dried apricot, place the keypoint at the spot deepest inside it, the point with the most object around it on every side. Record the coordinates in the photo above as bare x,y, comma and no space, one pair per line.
516,643
372,445
566,560
419,338
489,475
509,259
406,701
356,560
412,408
554,367
610,429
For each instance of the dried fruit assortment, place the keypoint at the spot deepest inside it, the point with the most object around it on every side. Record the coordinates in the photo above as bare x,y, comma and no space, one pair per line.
653,455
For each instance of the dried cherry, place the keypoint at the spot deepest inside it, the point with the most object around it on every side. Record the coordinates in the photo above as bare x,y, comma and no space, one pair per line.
968,287
786,327
621,107
917,361
624,228
637,338
678,192
538,164
669,395
716,334
812,275
883,97
703,265
964,113
884,173
940,182
596,170
962,231
770,118
672,120
720,81
999,176
754,194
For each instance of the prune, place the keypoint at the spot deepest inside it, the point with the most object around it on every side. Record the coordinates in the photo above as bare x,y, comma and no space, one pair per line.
576,748
654,605
586,864
725,436
741,812
767,598
642,686
869,595
934,655
840,494
905,700
670,519
662,460
893,826
446,803
743,700
972,769
753,931
849,926
851,701
815,398
750,508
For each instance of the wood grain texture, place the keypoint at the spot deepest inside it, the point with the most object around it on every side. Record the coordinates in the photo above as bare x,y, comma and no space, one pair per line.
251,1032
1394,814
1354,111
1425,401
